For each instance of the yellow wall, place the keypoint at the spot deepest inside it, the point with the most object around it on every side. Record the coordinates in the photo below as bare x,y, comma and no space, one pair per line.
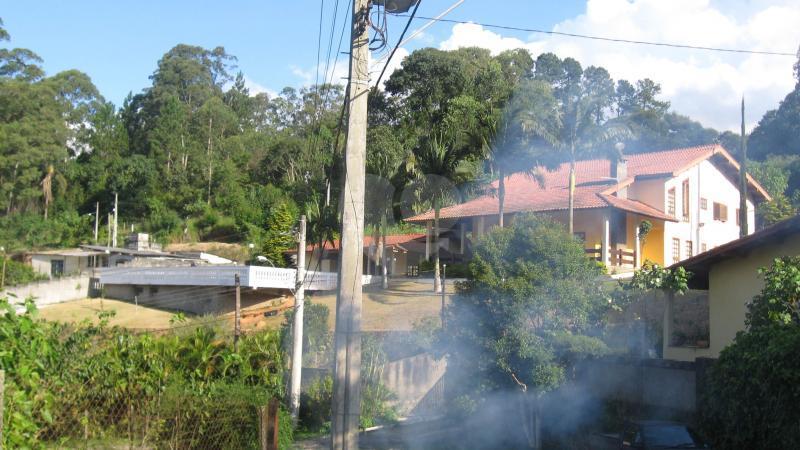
732,283
653,248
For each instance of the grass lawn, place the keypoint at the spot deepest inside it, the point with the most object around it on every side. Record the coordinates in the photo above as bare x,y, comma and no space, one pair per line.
127,315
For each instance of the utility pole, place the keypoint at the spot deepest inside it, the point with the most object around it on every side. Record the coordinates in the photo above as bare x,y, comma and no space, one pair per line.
347,340
297,325
116,215
3,277
237,315
444,290
108,237
96,221
743,180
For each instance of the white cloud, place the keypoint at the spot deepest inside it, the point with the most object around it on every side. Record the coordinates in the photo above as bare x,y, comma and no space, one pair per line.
705,85
256,88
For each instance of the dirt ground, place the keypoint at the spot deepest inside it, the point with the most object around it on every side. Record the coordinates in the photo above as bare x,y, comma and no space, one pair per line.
397,308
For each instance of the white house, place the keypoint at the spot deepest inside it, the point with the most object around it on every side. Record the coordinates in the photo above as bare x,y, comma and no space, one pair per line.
689,195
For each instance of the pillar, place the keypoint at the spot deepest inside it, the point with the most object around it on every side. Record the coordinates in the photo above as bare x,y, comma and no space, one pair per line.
637,259
428,240
606,251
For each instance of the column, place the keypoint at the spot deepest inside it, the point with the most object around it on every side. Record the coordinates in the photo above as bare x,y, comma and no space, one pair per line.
606,251
637,259
428,240
463,236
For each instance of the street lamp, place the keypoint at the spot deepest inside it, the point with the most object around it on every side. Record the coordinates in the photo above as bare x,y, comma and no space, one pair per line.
396,6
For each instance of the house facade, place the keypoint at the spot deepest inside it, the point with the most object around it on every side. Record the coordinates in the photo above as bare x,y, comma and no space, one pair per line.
402,252
689,196
728,275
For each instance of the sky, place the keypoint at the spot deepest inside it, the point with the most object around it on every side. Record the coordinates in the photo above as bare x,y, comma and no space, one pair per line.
276,42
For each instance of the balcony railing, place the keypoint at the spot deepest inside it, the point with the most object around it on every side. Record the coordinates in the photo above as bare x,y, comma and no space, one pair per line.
619,257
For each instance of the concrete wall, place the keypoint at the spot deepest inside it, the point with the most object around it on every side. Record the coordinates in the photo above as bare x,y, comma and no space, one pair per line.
53,291
191,299
657,384
416,381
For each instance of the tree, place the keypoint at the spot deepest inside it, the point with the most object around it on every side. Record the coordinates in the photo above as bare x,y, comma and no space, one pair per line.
778,132
584,97
522,319
751,390
514,135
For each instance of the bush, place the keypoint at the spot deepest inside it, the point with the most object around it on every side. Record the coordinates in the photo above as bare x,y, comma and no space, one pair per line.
66,383
18,273
753,390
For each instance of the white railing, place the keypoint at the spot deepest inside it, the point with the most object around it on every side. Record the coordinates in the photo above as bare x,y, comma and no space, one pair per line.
249,276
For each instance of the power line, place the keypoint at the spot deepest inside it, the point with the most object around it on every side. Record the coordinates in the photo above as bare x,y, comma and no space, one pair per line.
399,41
605,39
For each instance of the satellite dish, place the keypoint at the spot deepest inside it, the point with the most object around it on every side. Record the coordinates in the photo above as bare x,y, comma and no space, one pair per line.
396,6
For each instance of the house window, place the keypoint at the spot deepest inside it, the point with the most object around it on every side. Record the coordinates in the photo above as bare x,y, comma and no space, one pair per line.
56,268
689,250
720,212
671,202
704,204
685,200
676,250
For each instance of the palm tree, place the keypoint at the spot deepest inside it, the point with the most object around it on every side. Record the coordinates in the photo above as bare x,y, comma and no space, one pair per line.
583,133
438,163
509,135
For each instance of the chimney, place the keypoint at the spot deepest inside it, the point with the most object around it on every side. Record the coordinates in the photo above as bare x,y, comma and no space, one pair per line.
619,172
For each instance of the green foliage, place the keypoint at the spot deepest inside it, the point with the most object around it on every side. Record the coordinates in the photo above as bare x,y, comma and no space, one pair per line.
65,382
279,237
779,300
652,276
752,391
317,339
526,314
19,273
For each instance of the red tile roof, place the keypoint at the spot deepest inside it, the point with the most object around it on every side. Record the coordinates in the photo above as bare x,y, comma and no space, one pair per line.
593,184
391,241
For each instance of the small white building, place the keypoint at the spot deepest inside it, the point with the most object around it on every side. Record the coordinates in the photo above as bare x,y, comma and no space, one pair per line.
66,262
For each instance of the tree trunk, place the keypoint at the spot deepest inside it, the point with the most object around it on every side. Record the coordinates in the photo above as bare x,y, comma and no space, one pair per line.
210,144
384,266
437,282
501,197
571,210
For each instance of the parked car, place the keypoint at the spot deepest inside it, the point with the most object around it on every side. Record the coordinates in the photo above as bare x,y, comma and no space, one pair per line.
649,434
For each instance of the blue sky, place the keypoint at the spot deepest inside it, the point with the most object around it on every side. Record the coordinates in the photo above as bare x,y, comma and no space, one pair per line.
118,43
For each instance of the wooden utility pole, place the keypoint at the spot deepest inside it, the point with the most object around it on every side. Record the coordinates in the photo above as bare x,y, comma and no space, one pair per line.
347,339
116,216
96,221
743,228
108,237
297,324
444,290
237,317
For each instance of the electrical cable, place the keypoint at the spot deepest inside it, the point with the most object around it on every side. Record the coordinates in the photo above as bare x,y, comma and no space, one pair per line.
405,29
606,39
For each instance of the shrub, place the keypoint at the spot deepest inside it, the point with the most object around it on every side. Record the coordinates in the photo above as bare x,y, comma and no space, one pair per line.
18,273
